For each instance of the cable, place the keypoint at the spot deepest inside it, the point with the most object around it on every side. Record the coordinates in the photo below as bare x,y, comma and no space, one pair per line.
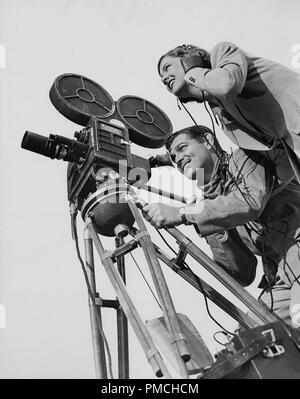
90,293
219,342
231,175
206,302
286,264
218,155
225,331
146,281
166,242
200,285
250,223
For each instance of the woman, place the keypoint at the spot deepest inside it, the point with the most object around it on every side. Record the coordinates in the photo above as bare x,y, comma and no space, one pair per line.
257,101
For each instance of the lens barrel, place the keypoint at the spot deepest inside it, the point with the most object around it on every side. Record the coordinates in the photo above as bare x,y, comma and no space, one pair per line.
55,146
39,144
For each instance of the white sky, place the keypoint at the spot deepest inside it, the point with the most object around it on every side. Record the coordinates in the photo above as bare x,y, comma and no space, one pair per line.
116,43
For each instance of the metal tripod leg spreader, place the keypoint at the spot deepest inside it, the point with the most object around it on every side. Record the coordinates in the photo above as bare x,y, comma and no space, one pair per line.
218,299
259,309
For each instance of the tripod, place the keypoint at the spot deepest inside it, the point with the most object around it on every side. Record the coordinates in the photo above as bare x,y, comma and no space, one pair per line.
124,305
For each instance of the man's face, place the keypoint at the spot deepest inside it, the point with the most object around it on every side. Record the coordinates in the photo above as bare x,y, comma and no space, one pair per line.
172,75
191,156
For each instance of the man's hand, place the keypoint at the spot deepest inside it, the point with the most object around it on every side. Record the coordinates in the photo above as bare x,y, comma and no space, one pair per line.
161,215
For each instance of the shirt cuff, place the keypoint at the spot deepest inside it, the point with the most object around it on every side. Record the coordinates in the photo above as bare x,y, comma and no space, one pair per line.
195,214
196,76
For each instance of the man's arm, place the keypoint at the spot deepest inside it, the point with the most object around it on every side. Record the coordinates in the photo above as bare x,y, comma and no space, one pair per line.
228,74
250,187
250,190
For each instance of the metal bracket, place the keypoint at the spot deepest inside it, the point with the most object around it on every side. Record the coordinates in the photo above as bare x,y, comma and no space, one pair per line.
123,141
107,303
272,350
179,260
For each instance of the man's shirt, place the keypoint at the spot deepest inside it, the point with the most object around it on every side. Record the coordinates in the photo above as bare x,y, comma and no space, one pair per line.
247,196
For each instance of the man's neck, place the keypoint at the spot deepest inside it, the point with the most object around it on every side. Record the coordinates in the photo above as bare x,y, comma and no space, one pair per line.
209,173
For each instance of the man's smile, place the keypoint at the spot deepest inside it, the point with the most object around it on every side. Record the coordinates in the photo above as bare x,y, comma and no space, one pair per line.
171,83
184,164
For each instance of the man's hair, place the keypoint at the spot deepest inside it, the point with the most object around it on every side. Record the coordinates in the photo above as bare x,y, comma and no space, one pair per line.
187,49
196,132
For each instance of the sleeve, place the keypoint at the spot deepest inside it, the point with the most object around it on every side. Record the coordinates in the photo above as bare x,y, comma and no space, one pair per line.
230,252
250,188
228,74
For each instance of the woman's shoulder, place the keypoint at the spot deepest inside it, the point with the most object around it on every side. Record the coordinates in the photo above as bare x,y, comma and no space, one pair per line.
227,52
224,48
240,158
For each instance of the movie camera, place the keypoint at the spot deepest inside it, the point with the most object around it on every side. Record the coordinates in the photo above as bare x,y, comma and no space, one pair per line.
100,155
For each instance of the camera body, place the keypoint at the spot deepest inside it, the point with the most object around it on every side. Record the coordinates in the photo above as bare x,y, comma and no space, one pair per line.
109,151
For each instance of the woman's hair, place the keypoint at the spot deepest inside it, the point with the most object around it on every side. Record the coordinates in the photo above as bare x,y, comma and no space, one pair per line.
190,50
196,132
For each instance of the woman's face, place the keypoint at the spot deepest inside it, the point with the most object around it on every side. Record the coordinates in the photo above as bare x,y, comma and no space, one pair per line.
172,76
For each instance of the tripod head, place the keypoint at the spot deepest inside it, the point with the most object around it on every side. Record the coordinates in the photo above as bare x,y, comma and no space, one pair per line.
99,156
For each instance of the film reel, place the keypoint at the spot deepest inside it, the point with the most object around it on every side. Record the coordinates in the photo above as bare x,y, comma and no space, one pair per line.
79,98
148,125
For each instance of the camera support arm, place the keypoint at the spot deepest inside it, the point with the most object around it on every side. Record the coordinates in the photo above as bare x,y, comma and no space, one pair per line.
259,309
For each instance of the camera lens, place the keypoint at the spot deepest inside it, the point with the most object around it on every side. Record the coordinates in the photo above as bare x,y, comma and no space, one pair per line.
39,144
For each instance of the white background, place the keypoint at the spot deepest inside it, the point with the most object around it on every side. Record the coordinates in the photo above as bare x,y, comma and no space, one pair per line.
117,43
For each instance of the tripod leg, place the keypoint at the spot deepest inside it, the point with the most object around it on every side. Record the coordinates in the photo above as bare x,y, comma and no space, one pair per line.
259,309
98,345
133,317
123,353
179,342
208,291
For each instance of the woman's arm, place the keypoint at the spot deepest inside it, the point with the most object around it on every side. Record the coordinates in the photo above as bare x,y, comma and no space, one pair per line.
228,74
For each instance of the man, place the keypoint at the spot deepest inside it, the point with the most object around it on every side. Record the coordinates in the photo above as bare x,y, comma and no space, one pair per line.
257,101
242,201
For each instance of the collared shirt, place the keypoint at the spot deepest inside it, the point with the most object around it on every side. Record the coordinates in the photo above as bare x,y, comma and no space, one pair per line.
248,197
